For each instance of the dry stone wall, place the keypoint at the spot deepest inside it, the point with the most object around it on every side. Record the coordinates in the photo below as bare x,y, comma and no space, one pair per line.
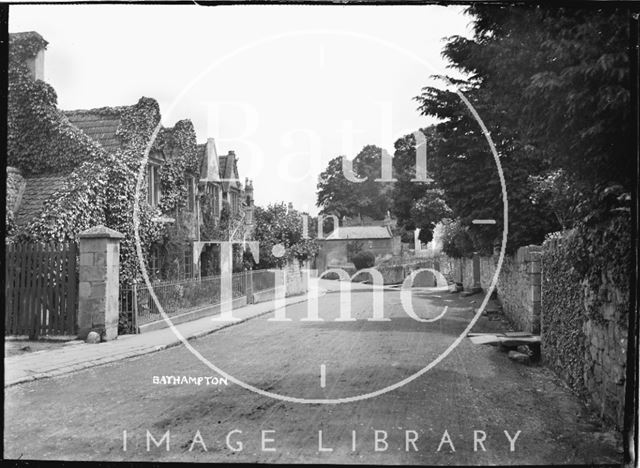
585,327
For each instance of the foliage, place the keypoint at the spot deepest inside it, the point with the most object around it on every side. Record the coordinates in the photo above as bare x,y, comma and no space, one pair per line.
416,204
342,197
566,72
456,241
354,247
558,190
364,259
277,224
39,138
564,316
10,223
178,144
582,268
99,186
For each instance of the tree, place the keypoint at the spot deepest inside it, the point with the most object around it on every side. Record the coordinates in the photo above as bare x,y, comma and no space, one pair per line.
456,241
559,190
279,224
342,197
565,71
416,204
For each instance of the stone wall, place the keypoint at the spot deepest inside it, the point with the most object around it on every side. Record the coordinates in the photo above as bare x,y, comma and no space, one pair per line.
519,288
518,285
582,316
98,285
585,327
296,279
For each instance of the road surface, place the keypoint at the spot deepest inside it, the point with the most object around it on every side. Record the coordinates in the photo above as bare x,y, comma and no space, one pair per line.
474,407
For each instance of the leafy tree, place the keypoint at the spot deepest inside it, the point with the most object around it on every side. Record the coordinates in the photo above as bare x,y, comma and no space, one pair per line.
456,241
364,259
416,204
562,193
279,224
342,197
551,84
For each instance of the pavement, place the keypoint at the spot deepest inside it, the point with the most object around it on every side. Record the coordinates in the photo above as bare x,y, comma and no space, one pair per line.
78,355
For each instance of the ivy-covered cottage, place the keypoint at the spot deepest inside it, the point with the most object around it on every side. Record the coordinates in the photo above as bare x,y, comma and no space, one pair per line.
72,170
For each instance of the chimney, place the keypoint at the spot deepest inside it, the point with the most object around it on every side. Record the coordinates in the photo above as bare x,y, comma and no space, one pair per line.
213,174
35,60
36,65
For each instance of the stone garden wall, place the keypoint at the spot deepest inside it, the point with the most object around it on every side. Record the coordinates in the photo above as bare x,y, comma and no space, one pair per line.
518,285
519,288
575,292
585,313
296,279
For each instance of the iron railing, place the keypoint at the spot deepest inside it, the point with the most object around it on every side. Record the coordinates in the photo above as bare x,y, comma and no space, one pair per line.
137,306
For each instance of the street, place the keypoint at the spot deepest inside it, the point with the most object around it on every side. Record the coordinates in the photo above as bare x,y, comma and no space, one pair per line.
474,407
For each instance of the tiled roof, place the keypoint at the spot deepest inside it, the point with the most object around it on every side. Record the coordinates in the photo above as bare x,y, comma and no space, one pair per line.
222,166
37,190
360,232
99,124
229,170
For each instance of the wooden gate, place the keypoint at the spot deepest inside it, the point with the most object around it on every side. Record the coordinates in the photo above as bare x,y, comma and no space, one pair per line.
41,290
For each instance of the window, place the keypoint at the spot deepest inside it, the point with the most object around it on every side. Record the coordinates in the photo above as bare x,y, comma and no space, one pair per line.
214,192
152,179
191,194
235,202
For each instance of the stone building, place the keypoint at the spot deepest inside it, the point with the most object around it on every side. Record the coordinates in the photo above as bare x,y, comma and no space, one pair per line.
28,191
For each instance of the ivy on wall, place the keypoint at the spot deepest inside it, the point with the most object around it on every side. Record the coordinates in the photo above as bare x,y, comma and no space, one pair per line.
178,144
35,125
100,186
563,311
586,271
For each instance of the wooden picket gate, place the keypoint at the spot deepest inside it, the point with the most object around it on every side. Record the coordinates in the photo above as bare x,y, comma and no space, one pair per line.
41,289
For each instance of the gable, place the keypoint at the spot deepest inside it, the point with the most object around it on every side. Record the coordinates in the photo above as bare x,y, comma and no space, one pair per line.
228,166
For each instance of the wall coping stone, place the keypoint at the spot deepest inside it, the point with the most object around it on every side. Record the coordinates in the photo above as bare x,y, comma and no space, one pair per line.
101,232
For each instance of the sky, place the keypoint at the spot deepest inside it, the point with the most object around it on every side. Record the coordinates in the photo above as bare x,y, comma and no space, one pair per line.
287,87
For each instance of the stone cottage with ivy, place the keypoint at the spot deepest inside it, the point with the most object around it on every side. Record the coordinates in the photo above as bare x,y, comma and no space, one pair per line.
72,170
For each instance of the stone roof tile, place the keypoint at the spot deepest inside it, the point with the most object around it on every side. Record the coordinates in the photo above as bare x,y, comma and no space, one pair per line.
36,192
99,125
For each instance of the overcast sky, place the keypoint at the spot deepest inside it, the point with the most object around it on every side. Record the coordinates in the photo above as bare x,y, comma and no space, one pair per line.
286,87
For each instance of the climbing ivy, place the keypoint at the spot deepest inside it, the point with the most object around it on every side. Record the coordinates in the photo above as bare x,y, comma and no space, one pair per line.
39,137
99,186
178,144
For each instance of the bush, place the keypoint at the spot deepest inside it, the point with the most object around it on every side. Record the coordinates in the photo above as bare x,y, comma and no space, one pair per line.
364,259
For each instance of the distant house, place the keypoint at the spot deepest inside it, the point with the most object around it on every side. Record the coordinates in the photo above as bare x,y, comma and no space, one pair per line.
339,247
222,173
